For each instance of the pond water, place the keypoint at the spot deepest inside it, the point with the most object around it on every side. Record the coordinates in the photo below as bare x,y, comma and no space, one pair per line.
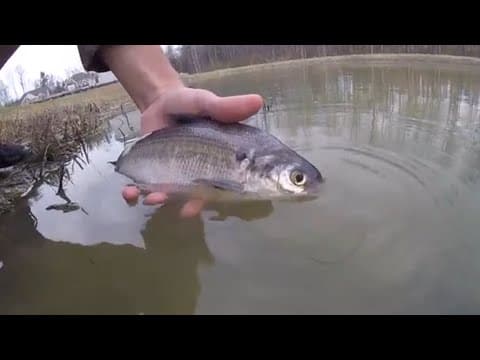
395,231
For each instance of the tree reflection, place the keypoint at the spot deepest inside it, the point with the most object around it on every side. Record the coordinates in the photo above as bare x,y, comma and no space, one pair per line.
40,276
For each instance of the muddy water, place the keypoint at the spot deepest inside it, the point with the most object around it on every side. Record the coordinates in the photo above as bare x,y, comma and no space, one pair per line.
395,231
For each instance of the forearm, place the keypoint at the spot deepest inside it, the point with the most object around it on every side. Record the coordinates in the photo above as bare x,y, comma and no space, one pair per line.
144,71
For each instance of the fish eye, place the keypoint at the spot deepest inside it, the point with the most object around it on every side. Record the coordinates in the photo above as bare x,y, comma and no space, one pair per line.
298,178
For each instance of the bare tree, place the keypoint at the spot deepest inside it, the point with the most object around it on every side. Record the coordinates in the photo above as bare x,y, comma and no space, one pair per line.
4,96
21,76
45,80
11,80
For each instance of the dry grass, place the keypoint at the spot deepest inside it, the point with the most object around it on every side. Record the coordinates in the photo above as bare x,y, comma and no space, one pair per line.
57,132
56,127
106,98
52,132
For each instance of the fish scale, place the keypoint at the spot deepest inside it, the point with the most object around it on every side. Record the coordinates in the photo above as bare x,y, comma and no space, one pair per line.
235,157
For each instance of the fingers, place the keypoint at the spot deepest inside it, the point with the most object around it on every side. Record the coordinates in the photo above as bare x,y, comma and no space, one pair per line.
155,199
130,194
199,102
190,209
234,108
205,103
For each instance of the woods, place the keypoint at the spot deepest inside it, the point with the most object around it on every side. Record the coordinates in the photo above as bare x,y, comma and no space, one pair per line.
200,58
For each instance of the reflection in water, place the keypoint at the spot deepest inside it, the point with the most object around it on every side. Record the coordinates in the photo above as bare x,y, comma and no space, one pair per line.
42,276
246,211
160,279
395,229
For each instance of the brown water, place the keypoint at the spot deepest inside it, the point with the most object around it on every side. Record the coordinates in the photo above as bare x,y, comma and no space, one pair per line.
396,230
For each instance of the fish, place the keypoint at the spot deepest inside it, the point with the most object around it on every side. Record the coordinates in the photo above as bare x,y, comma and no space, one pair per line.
215,161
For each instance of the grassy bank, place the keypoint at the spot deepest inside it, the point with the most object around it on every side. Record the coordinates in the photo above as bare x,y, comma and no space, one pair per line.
56,131
54,127
106,98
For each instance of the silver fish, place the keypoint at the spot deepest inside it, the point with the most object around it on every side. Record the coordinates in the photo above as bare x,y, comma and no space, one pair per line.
217,161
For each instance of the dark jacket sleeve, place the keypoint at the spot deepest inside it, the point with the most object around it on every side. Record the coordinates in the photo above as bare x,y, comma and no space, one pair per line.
89,56
6,51
91,59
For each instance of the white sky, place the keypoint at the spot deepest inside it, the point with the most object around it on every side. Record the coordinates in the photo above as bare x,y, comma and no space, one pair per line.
51,59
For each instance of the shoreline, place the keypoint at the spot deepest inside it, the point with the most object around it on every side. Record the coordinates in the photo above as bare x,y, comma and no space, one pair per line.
356,59
67,123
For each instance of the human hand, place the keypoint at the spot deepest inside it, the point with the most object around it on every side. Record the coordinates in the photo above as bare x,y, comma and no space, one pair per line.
186,101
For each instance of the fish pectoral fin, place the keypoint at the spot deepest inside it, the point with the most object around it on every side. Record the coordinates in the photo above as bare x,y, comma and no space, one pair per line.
244,154
221,184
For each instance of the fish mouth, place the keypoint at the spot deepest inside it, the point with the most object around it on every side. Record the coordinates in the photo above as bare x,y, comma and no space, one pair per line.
309,194
316,187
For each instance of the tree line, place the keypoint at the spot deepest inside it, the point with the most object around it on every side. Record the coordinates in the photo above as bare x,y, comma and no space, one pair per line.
199,58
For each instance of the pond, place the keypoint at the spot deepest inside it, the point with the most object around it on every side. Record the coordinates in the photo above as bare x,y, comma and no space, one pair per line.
396,229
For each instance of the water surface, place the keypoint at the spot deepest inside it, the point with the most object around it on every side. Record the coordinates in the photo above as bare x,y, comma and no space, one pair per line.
396,229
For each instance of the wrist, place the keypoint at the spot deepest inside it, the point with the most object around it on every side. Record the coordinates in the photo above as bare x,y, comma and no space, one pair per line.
159,91
143,71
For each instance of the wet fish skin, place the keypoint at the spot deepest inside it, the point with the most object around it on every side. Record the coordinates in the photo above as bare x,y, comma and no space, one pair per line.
212,158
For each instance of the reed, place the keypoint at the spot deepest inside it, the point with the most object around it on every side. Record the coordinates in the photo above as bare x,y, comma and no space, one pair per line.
57,133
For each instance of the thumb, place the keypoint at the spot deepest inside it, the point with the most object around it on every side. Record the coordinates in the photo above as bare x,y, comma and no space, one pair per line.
234,108
205,103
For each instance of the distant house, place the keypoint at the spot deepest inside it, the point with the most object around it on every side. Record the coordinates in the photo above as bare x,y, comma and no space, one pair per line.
69,85
77,82
85,79
106,78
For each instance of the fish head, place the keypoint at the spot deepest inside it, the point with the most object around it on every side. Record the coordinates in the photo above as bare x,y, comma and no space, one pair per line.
290,174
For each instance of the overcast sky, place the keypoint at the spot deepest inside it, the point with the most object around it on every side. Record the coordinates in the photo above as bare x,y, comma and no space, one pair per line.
52,59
